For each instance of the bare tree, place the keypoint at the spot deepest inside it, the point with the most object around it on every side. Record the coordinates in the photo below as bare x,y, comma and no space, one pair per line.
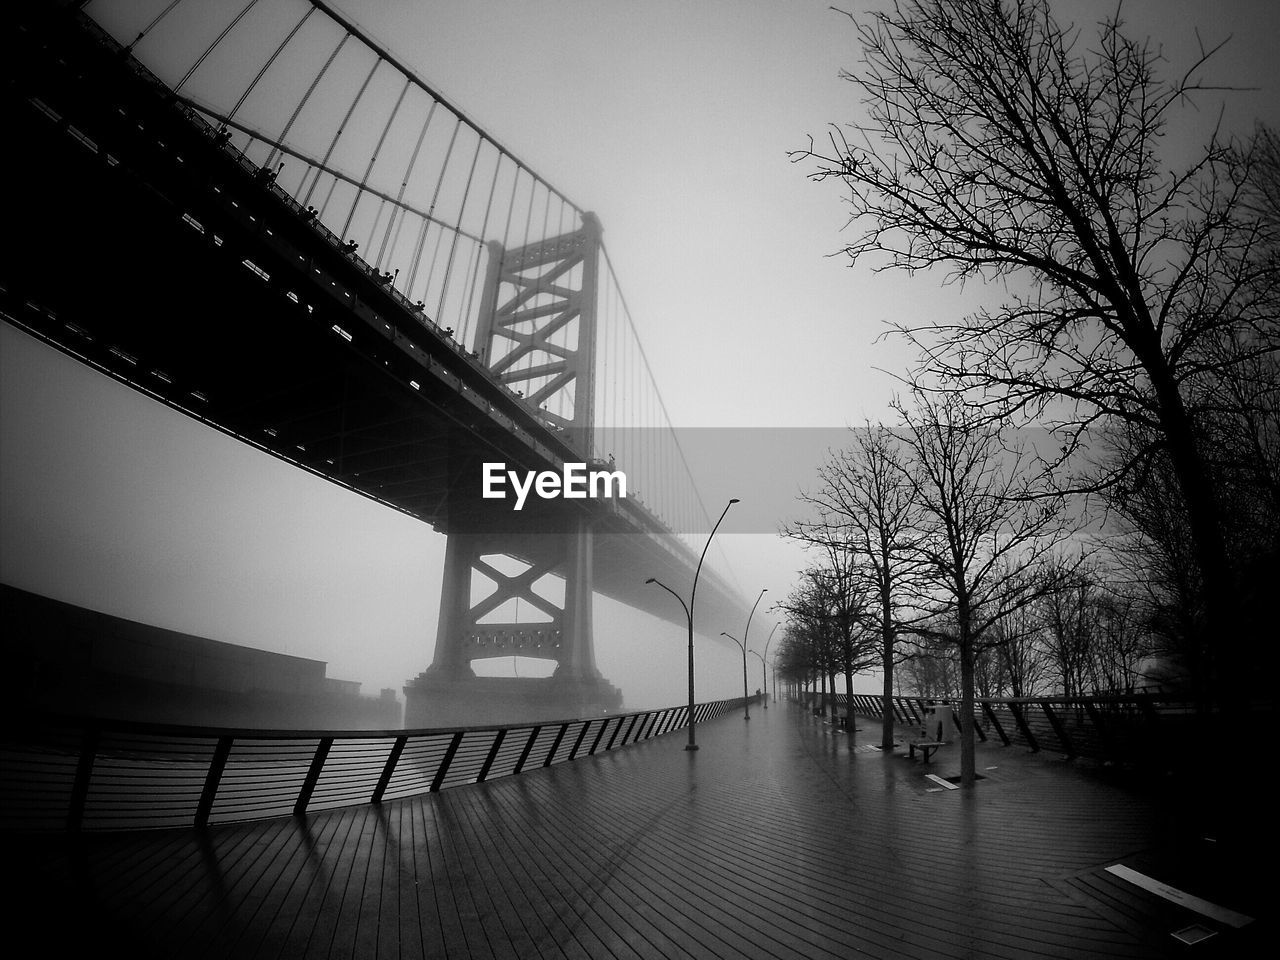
841,595
988,672
809,607
865,498
982,526
1017,641
930,664
1122,643
795,656
1067,612
1000,145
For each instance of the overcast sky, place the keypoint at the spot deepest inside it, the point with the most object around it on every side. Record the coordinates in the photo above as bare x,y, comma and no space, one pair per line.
672,120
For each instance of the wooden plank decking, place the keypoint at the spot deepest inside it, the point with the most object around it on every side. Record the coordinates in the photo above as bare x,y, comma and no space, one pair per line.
781,838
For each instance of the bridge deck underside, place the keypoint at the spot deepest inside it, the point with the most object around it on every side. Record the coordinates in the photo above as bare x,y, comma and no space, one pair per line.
152,253
781,838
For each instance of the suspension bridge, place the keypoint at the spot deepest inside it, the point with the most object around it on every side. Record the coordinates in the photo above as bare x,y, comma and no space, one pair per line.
252,213
278,228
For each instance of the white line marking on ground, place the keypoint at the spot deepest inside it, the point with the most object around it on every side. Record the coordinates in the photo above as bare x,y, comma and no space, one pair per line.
1230,917
938,779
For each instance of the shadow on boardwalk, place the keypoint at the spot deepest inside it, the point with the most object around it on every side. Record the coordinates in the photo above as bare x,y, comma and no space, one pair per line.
780,838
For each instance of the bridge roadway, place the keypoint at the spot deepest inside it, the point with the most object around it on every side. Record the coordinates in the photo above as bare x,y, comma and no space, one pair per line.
145,247
781,838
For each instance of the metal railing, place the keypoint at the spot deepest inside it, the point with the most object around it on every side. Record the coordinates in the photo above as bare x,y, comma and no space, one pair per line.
62,773
1126,727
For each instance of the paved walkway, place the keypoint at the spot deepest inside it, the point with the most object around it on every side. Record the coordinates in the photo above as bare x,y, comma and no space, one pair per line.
780,838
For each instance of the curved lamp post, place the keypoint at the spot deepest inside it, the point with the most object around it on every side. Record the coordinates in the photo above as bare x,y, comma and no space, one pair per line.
688,612
746,704
764,670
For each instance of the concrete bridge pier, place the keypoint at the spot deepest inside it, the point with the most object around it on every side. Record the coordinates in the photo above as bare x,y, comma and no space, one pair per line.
449,693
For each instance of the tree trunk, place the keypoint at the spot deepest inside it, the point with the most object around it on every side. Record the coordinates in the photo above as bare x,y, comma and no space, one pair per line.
848,689
1205,521
968,767
886,724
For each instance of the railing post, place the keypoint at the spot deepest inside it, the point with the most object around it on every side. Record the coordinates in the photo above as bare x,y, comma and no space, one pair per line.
614,737
995,722
673,719
655,725
555,744
1105,740
528,746
662,724
84,772
447,759
578,743
1016,710
908,709
388,769
977,727
680,718
604,725
313,776
211,781
1064,738
655,728
493,752
635,718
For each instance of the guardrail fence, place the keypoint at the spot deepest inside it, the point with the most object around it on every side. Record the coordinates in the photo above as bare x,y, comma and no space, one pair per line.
1144,728
61,773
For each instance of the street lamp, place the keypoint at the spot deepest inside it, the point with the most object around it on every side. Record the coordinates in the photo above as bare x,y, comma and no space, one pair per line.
746,704
688,612
764,672
743,644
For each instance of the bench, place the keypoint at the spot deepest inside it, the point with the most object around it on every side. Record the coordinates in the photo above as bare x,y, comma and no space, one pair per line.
926,747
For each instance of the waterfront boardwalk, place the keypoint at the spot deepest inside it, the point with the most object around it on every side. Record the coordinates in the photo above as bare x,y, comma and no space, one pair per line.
781,838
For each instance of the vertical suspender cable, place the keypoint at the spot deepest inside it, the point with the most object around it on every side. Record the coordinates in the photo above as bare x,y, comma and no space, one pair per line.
435,198
684,461
284,134
324,162
373,158
151,26
225,30
270,60
399,215
373,226
453,247
478,256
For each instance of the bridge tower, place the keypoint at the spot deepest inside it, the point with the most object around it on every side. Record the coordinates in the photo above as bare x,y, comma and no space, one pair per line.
537,334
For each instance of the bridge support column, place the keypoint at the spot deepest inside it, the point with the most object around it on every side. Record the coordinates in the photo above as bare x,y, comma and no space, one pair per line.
536,331
449,693
578,655
452,627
